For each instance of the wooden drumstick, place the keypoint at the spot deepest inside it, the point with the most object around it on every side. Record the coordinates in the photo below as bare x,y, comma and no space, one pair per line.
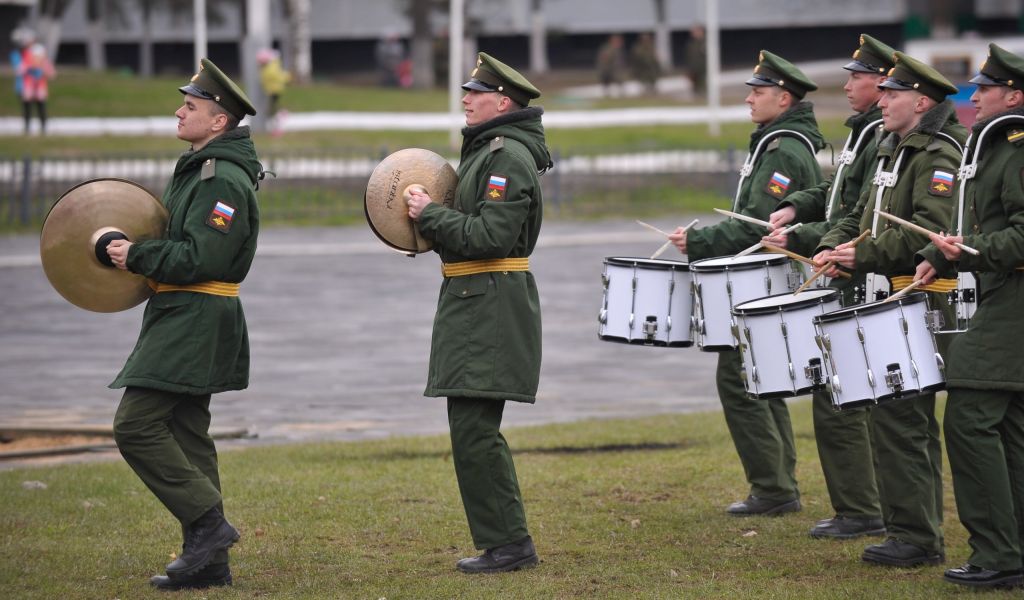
666,245
904,291
924,231
735,215
814,276
651,227
795,256
761,244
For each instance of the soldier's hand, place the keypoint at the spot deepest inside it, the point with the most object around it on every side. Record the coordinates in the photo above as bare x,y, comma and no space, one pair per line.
417,199
678,238
925,272
776,238
782,217
118,252
945,244
845,255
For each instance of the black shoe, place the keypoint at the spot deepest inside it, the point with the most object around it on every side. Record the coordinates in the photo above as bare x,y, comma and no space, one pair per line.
844,528
760,506
509,557
208,534
210,576
897,553
973,576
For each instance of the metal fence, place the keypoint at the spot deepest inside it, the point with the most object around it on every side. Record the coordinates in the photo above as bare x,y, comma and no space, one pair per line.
326,185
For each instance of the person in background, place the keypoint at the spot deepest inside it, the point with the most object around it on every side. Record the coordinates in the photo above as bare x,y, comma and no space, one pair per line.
611,64
696,53
273,79
36,71
644,62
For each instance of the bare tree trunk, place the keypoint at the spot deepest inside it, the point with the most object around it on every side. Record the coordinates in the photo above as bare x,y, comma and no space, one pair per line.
146,42
422,45
662,35
96,55
300,40
538,38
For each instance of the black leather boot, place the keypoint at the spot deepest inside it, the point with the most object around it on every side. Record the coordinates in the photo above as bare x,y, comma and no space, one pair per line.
209,576
980,577
509,557
208,534
897,553
844,528
754,505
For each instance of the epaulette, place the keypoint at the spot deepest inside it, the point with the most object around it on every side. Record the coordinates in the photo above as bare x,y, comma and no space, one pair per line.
774,144
1015,136
209,169
497,143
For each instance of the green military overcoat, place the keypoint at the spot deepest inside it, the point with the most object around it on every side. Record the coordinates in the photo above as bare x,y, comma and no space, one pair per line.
988,356
775,175
486,341
196,343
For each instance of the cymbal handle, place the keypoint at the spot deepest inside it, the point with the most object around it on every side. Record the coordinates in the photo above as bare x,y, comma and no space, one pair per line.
101,246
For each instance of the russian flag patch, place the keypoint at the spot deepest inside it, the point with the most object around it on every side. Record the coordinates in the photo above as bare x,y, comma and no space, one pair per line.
221,217
778,185
942,183
496,186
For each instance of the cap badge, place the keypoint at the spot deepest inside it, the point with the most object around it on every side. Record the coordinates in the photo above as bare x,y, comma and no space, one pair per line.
856,52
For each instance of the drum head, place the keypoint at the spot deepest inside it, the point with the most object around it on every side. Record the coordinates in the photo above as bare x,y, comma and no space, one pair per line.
786,301
874,307
648,263
733,263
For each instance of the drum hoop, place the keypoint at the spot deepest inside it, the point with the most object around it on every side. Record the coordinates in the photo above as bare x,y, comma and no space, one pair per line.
655,264
756,261
821,296
874,307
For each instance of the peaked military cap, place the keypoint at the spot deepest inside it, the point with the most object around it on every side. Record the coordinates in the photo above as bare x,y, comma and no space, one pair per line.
772,69
1002,67
492,75
211,83
912,74
872,56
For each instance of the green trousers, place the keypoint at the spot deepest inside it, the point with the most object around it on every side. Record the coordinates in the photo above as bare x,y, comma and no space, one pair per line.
843,438
985,443
761,431
908,464
164,437
486,473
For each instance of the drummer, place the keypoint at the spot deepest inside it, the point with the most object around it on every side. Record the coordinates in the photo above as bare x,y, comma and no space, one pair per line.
760,428
842,437
985,374
917,165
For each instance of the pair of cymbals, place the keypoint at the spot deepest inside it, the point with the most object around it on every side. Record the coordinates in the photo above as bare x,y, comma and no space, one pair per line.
384,202
75,234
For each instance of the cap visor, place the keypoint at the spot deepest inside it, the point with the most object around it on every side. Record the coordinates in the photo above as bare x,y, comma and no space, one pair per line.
757,81
983,79
192,90
479,86
892,84
859,67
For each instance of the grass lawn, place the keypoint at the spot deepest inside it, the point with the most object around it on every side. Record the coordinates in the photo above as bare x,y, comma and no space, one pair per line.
618,509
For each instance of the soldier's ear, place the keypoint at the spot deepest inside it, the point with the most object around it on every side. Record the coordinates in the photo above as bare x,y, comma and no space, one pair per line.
1015,99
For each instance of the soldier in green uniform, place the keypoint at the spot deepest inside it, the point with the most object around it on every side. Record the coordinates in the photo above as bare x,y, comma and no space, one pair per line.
781,161
843,440
486,344
194,340
917,163
984,421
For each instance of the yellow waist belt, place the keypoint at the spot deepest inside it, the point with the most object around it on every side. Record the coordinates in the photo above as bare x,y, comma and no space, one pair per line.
214,288
939,285
490,265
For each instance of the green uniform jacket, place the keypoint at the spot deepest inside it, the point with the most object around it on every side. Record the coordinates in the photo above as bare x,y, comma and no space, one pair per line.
988,355
195,343
487,330
916,197
810,204
785,159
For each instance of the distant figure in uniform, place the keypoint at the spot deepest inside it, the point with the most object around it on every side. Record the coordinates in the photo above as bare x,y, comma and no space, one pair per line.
273,79
843,436
36,71
486,345
611,64
194,340
921,152
784,163
644,62
984,420
696,57
389,54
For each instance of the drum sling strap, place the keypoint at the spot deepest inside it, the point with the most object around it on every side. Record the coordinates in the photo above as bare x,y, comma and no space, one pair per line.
846,158
751,160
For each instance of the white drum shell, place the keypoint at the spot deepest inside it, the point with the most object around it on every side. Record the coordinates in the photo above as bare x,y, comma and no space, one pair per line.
859,343
724,282
637,290
777,338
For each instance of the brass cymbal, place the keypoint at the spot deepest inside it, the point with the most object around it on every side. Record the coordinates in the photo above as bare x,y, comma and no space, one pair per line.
75,234
385,200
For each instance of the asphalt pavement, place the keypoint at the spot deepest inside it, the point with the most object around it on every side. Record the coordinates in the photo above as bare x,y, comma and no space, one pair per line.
340,334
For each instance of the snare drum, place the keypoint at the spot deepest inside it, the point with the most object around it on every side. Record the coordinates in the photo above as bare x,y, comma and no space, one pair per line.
879,351
780,354
722,283
964,300
646,301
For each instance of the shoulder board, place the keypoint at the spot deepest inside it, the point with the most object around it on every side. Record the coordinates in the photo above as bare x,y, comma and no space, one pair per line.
774,144
1015,136
497,143
209,169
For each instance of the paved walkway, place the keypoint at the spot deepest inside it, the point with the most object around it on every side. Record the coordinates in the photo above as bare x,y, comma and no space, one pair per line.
340,332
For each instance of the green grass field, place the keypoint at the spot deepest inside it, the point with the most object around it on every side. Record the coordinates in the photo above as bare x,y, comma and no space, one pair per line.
618,509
